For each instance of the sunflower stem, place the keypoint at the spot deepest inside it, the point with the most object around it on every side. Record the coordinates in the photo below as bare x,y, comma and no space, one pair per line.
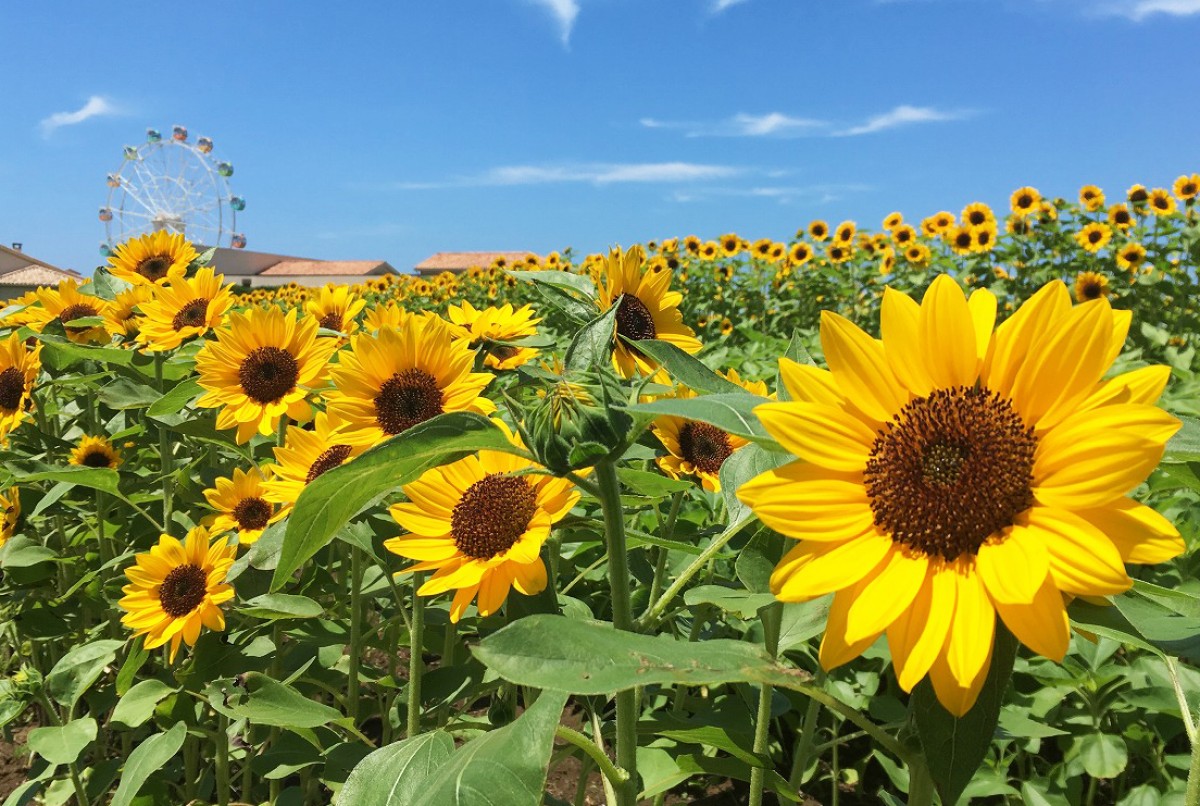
614,773
622,613
55,720
415,663
221,759
771,616
920,783
356,576
1192,798
666,531
164,450
654,613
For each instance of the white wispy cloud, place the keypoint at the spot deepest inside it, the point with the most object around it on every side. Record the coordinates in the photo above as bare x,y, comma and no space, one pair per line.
96,106
564,13
903,115
741,125
597,173
720,5
783,194
1138,10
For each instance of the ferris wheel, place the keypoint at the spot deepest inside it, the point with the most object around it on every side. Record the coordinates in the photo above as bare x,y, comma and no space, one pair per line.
172,184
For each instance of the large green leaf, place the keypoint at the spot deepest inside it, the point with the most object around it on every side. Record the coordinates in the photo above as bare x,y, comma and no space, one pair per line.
395,775
124,393
686,369
1185,445
77,670
60,352
146,759
281,605
264,701
1103,755
732,413
592,345
505,767
335,497
745,464
96,478
175,400
138,704
555,652
579,285
62,745
956,746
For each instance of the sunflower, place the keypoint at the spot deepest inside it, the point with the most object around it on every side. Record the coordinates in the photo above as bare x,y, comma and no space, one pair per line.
818,230
388,315
893,220
695,448
1091,197
726,326
692,244
646,309
1187,187
949,474
260,368
66,304
1016,225
1094,237
306,454
1161,202
10,513
389,382
800,253
1131,256
1025,200
838,254
1090,285
19,368
844,234
777,252
761,248
918,254
1137,195
240,505
176,588
984,238
335,308
182,308
731,244
977,214
903,235
152,257
95,452
888,261
25,311
943,221
961,239
124,317
709,250
480,528
1119,217
491,327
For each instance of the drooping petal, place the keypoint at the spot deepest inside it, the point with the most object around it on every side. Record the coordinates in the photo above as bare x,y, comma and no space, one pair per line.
1040,623
973,628
1014,567
821,568
957,696
836,648
917,637
820,434
886,594
860,367
1082,559
1140,534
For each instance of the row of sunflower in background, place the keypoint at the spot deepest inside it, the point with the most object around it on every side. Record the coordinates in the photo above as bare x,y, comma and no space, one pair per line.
279,480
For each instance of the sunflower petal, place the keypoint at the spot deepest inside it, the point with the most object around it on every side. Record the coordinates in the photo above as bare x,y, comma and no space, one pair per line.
1040,623
1082,559
948,334
824,435
860,367
1014,567
886,594
1140,534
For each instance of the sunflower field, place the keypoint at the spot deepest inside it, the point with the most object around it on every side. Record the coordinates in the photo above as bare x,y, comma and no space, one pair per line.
906,515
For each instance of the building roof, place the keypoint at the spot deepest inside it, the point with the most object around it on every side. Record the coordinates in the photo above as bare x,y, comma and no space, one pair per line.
312,268
36,275
14,260
461,261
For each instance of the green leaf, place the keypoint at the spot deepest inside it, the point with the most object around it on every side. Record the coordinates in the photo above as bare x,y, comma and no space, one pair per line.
328,504
395,775
61,352
732,413
688,370
62,745
96,478
714,736
138,704
505,767
555,652
22,552
264,701
177,399
1103,755
592,346
651,485
77,670
105,285
281,605
955,747
803,621
576,284
146,759
745,463
741,603
124,393
756,561
1185,445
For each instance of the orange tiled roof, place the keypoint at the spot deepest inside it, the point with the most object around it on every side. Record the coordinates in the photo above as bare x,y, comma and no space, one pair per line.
309,268
461,261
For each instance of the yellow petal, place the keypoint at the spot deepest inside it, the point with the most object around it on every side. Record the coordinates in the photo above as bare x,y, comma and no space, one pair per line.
1013,567
1040,623
835,648
1011,344
1140,534
956,696
822,568
1082,559
900,325
860,367
820,434
917,637
948,334
809,384
803,501
1142,386
886,594
983,315
973,628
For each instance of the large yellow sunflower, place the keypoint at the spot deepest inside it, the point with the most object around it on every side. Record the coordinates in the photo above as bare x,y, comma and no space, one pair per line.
480,528
1090,285
183,308
124,317
389,382
1091,197
19,368
176,588
646,309
485,328
1025,201
152,258
1094,237
95,452
306,454
241,506
10,513
260,368
1187,187
1161,201
336,308
67,305
948,474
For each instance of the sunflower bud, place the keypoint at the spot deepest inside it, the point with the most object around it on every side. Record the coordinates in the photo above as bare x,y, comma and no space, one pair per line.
577,423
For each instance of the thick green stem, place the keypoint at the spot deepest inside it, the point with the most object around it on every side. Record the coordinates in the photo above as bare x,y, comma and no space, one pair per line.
1192,798
164,452
654,613
612,772
221,760
622,611
416,664
771,616
356,574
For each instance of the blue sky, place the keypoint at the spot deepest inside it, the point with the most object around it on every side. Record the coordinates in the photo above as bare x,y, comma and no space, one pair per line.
393,130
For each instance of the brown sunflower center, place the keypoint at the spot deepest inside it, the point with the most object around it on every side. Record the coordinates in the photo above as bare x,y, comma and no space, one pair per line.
492,515
1024,201
331,321
96,457
1138,196
503,352
951,470
976,218
409,397
154,267
1188,189
1160,203
252,514
1121,217
634,320
1094,236
268,373
183,590
331,458
962,240
1091,289
12,388
705,446
194,314
80,310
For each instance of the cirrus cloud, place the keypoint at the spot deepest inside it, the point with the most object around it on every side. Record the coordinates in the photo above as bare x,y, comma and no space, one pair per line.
96,106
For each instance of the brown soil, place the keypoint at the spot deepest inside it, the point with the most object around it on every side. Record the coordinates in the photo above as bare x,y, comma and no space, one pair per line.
13,762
